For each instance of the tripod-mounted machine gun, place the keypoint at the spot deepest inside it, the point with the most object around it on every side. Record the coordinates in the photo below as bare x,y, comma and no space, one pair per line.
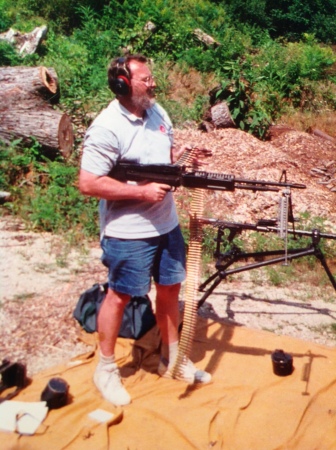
227,231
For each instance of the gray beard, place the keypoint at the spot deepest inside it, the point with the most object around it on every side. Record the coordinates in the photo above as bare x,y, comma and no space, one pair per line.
144,102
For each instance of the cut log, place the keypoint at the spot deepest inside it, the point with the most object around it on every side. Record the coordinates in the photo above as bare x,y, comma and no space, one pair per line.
205,38
33,80
321,134
51,128
274,131
15,97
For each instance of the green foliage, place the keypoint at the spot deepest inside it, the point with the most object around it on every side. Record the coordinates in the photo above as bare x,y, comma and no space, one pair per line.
259,85
5,20
238,89
287,18
44,192
8,55
58,206
62,15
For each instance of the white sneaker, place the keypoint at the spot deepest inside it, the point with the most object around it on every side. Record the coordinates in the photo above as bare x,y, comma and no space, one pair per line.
108,381
187,372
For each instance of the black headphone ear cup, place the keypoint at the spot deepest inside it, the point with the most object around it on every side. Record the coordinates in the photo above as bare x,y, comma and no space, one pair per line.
121,85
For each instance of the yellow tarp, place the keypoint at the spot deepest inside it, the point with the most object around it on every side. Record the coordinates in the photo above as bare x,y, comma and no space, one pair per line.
246,407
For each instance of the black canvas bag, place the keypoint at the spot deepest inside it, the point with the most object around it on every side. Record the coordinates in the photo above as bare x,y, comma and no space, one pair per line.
138,315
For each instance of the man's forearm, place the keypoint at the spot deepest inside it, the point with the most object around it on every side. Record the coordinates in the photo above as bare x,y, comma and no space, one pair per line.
108,188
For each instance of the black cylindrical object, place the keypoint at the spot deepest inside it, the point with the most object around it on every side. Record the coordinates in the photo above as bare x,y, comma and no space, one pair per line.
55,393
282,363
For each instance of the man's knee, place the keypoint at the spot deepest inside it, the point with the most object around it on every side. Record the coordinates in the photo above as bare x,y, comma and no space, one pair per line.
171,290
116,298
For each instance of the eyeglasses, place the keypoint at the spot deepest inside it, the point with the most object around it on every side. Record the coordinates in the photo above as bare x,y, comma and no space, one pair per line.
148,80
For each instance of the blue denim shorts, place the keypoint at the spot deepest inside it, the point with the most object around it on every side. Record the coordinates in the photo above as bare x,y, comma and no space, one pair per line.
133,263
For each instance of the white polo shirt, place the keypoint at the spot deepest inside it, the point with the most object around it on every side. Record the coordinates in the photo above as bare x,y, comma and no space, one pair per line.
117,135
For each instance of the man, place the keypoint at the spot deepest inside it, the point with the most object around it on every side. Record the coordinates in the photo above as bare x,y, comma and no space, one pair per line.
140,234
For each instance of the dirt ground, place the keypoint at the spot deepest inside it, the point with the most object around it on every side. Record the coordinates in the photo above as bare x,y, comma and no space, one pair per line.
41,278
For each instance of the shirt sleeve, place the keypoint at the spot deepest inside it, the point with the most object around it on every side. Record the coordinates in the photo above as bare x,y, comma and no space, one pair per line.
100,150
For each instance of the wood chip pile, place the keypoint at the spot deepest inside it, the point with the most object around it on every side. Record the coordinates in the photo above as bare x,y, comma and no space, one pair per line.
306,159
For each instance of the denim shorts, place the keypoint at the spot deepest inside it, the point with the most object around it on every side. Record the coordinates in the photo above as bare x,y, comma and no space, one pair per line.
133,263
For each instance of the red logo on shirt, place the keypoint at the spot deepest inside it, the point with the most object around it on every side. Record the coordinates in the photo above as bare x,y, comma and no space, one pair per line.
162,129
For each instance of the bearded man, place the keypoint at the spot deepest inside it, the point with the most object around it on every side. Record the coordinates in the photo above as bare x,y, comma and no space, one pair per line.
140,235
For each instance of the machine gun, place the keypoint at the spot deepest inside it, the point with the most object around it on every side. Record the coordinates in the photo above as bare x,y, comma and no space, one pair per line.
235,254
176,176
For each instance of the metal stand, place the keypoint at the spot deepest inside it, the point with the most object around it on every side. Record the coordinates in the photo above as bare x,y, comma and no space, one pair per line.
235,254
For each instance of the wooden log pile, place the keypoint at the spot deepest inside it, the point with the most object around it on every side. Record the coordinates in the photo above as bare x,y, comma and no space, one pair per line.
27,109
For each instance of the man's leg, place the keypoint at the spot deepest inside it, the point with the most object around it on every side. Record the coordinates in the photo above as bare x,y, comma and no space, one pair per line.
107,377
130,264
109,320
167,316
167,313
169,272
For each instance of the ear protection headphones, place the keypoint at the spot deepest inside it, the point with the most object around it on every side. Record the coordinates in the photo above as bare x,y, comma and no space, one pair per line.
121,82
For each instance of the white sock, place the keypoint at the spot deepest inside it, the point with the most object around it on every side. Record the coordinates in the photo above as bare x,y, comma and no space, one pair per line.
106,359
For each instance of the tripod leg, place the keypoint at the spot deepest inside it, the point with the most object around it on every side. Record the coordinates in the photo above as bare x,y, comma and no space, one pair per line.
209,291
207,281
319,255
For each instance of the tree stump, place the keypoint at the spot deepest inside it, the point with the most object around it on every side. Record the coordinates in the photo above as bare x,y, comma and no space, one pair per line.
221,116
25,43
218,116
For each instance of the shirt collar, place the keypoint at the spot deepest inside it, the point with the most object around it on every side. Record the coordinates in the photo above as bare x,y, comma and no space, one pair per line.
132,117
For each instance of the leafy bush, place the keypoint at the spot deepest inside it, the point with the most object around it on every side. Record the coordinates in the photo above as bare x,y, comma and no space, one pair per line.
45,193
61,15
58,206
288,19
291,70
5,20
8,55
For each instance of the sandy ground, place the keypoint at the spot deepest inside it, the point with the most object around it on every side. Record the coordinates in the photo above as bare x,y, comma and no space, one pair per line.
41,279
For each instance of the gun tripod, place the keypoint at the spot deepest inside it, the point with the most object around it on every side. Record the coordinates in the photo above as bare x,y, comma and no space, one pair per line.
235,254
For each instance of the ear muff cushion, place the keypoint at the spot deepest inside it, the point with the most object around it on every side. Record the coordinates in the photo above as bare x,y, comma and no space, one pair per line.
121,85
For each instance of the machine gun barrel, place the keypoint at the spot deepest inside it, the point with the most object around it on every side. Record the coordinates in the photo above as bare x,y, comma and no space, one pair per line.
177,176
